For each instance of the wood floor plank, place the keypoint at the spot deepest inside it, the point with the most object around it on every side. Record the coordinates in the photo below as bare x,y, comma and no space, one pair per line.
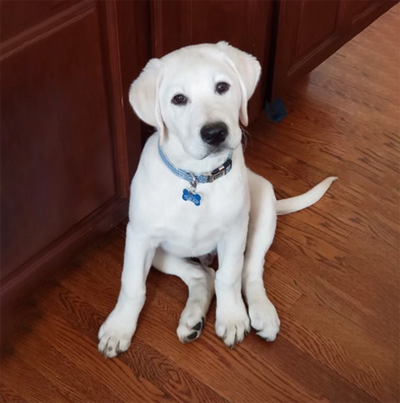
9,395
145,362
369,284
28,383
76,385
82,351
349,349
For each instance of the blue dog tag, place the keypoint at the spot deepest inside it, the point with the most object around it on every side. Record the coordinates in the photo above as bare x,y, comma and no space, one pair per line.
195,198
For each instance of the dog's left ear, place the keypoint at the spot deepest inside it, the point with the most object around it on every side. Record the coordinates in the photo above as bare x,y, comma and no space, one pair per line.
248,69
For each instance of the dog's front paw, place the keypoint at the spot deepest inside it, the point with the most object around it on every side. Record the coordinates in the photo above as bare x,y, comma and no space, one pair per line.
114,337
264,318
232,324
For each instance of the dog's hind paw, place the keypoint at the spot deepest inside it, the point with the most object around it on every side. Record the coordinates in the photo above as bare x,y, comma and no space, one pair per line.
201,292
187,332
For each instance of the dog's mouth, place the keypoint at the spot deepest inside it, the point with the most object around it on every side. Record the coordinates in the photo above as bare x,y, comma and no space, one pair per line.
216,151
209,150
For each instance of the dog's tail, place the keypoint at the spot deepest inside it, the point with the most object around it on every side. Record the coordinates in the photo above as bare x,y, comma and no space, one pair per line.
287,206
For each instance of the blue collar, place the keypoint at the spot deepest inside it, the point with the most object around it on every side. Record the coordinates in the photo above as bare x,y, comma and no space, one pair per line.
201,178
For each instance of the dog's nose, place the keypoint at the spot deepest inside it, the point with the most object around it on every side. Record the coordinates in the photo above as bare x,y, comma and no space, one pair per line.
214,133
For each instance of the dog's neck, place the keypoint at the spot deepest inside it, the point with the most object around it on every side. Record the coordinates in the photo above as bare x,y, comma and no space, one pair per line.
173,149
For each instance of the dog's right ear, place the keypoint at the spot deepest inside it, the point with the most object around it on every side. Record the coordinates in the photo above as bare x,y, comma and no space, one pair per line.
143,95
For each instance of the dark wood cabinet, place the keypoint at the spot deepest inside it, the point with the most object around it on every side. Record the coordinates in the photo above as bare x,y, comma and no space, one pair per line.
309,31
68,146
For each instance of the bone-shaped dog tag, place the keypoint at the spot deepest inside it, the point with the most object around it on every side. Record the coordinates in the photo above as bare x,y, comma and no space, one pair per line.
195,198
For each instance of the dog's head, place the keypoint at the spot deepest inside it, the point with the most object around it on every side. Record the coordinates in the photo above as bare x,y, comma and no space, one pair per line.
198,93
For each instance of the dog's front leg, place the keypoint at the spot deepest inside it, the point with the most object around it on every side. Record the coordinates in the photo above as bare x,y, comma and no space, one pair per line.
232,322
263,315
116,332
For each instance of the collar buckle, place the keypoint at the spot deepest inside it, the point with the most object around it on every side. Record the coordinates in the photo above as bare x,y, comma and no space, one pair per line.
217,173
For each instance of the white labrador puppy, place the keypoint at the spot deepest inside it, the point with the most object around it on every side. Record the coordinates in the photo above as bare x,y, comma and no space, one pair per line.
192,196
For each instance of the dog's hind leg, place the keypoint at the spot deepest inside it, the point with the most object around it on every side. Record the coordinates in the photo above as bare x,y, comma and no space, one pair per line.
200,281
262,313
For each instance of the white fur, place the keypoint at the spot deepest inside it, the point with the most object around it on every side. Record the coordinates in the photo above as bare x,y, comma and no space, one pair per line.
164,230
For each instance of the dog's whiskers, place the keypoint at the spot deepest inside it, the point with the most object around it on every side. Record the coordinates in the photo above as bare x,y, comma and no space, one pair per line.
245,136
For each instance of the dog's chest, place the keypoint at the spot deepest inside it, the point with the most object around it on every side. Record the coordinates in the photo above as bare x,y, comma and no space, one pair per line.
190,230
196,230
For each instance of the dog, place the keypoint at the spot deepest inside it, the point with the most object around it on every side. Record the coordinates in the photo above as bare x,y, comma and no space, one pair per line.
192,196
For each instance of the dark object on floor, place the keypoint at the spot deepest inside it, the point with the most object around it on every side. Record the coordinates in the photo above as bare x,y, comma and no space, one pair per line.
276,110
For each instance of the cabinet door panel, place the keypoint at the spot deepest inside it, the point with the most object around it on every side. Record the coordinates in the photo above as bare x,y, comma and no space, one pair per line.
305,33
356,9
318,21
13,21
57,168
361,13
65,167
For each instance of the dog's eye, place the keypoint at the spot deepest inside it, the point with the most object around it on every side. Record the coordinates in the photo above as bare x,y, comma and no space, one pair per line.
221,88
179,99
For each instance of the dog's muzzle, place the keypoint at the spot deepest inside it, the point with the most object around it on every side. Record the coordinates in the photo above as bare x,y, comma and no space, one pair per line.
214,133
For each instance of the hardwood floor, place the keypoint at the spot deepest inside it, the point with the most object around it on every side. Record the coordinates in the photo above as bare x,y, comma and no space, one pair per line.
332,272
